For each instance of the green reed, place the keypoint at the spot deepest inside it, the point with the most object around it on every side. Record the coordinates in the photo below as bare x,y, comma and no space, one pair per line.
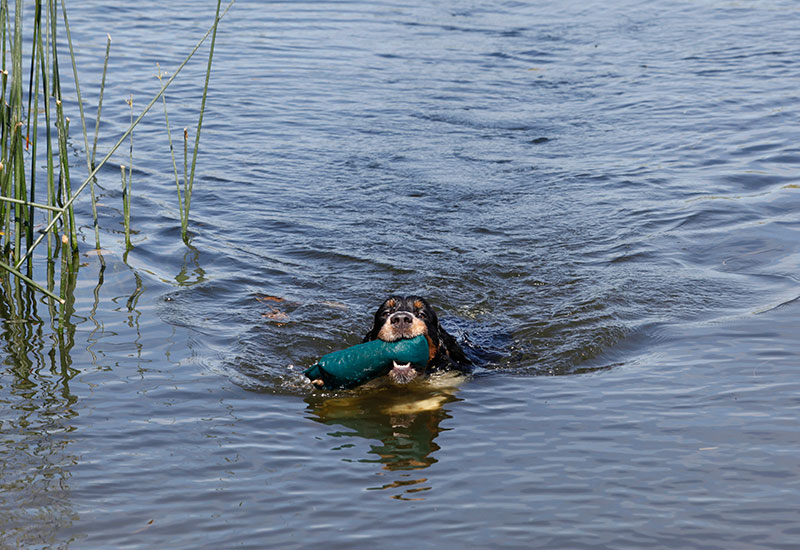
100,106
184,201
83,121
126,205
21,207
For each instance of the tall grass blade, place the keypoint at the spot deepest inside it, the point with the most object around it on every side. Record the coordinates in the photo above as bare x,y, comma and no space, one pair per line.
126,195
33,113
185,211
63,283
16,127
126,207
44,59
56,81
4,25
32,204
100,101
17,184
62,124
4,148
172,150
34,57
83,122
188,193
4,118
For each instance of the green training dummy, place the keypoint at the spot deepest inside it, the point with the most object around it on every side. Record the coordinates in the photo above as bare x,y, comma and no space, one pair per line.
353,366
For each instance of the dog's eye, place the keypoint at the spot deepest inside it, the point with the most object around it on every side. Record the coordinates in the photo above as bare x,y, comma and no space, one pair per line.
421,314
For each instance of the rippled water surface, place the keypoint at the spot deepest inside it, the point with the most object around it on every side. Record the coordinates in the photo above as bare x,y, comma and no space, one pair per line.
600,199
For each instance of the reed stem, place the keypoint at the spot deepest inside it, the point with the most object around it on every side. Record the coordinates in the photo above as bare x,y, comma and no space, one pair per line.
35,65
126,207
185,211
36,21
18,176
4,122
16,122
83,122
100,100
172,150
56,81
187,195
62,287
3,25
44,59
31,204
127,191
62,124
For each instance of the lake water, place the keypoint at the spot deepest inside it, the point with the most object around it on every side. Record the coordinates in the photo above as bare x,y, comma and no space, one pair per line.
600,198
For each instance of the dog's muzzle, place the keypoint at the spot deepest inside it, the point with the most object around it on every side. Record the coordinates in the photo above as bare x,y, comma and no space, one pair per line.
399,325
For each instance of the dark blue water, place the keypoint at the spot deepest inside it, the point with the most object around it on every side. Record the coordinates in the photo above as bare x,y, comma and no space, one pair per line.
599,198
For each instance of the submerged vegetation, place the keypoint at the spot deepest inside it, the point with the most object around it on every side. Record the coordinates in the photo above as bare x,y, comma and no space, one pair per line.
37,183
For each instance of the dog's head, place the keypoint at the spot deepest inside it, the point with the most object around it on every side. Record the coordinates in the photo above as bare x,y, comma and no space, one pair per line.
407,317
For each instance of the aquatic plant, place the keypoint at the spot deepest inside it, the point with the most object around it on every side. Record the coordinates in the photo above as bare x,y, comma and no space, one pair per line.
184,202
20,209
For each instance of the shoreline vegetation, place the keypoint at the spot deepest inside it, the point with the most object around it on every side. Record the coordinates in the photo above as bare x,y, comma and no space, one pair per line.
36,200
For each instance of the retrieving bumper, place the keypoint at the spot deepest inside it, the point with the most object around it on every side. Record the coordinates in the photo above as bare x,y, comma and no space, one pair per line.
358,364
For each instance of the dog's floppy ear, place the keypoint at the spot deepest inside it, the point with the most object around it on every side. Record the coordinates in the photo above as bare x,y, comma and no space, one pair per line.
373,332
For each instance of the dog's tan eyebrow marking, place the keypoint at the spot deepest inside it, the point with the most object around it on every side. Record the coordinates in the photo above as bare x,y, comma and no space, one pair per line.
391,302
418,304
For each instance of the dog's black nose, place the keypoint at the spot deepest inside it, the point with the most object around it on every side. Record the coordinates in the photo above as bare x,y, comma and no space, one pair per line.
401,320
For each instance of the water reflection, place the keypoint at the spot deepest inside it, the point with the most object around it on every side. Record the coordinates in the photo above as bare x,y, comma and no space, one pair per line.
404,421
191,272
35,416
